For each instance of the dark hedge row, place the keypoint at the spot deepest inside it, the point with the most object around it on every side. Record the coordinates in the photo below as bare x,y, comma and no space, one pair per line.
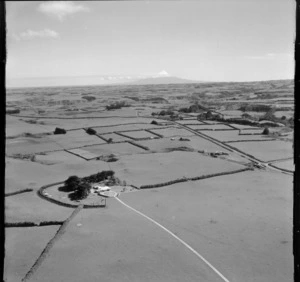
50,244
12,111
238,150
18,192
103,138
284,169
139,145
154,133
135,187
67,205
59,117
250,140
123,135
212,129
250,133
185,179
120,124
32,224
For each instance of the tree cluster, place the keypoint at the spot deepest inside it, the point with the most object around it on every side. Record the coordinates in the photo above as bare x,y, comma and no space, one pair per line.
117,105
81,187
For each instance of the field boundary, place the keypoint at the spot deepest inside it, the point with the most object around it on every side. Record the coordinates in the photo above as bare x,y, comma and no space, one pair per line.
18,192
50,244
154,133
31,224
249,133
77,155
249,140
284,169
68,205
138,145
185,179
281,160
102,138
214,129
43,117
123,135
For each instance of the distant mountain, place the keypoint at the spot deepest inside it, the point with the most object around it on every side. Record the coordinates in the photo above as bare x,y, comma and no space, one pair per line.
162,80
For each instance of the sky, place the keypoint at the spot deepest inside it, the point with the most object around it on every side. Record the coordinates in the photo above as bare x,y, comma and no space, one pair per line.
209,40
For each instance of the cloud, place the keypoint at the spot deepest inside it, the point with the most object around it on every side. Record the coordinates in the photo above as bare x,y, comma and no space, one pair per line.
31,34
61,9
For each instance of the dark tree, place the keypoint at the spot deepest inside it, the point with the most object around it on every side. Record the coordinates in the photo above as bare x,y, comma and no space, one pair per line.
59,131
91,131
81,193
72,182
209,115
266,131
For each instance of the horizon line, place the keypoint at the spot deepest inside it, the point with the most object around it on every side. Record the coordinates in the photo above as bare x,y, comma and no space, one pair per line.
116,84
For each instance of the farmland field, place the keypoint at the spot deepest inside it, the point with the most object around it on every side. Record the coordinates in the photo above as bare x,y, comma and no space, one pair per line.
139,134
23,246
115,137
210,127
266,151
170,132
75,139
216,216
233,135
289,165
228,208
117,149
156,170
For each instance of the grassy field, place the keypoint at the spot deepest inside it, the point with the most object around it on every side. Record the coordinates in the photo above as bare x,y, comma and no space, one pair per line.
233,135
117,149
170,132
289,165
266,151
156,167
75,139
23,247
226,220
121,246
139,134
115,137
210,127
29,207
29,145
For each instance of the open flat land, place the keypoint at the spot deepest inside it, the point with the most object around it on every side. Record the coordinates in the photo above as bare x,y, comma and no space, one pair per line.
198,198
